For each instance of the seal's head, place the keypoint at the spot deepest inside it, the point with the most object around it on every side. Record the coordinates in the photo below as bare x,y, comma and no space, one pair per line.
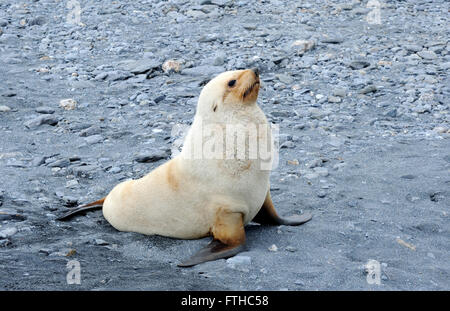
230,89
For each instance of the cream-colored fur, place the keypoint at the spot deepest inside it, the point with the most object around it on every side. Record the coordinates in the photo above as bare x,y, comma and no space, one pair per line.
183,197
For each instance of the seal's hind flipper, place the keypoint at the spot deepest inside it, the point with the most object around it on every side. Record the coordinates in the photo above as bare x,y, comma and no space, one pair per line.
229,239
90,206
267,215
214,250
295,220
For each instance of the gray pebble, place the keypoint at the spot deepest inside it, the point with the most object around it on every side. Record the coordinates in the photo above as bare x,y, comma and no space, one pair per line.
115,170
291,249
40,120
4,108
152,157
7,232
60,163
141,66
429,55
368,89
100,242
359,64
84,170
94,139
45,110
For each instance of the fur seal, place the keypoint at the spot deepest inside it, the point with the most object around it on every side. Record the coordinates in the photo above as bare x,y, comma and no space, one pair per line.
211,192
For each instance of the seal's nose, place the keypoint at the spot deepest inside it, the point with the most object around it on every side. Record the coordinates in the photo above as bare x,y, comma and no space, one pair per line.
256,71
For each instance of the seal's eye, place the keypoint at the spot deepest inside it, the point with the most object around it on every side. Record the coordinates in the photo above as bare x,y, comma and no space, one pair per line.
231,83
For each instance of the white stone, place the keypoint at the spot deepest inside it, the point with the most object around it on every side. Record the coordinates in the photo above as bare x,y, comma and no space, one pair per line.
273,248
4,108
68,104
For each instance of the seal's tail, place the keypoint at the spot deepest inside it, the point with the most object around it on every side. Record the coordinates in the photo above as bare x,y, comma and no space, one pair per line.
90,206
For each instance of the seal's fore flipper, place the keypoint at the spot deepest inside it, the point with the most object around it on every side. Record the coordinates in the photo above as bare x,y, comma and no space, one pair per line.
267,215
229,239
90,206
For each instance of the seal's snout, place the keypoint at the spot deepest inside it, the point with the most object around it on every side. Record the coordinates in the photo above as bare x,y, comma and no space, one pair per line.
250,85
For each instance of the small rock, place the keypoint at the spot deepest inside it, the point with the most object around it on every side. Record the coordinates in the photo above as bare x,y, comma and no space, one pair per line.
45,110
219,60
303,45
39,21
60,163
71,253
273,248
71,183
356,65
171,66
159,98
5,243
334,99
67,199
152,157
68,104
340,92
141,66
412,198
391,113
4,108
115,170
293,162
280,114
311,175
429,55
322,171
115,75
321,194
13,217
441,130
368,89
100,242
299,283
195,14
315,163
316,113
291,249
45,251
44,119
93,130
286,79
332,40
94,139
413,47
38,161
7,232
84,170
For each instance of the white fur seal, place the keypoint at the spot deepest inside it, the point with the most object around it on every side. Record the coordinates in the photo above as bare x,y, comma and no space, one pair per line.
214,186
